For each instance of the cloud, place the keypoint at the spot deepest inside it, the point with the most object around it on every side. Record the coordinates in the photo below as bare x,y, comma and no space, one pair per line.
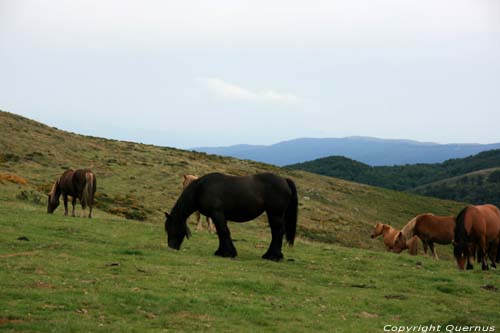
231,91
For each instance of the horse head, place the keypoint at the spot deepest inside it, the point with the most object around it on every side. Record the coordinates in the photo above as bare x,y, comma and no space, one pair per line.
399,243
377,231
53,198
460,251
176,231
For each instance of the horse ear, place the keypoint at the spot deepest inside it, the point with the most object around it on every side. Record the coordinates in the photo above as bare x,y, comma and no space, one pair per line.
185,176
167,215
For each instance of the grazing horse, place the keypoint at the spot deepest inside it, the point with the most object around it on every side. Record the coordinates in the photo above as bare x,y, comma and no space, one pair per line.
430,229
389,234
477,227
79,184
188,179
240,199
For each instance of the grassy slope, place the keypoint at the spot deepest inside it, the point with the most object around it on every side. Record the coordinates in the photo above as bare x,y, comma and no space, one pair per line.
110,274
331,210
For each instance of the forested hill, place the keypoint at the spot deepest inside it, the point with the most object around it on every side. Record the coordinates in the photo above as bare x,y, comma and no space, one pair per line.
474,179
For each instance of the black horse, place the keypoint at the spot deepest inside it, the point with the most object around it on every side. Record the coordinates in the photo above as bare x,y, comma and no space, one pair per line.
240,199
79,184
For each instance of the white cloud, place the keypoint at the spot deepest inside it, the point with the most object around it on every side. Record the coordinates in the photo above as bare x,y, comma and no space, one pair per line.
232,91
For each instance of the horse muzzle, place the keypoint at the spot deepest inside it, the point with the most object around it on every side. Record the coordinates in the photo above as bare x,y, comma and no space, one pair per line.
174,245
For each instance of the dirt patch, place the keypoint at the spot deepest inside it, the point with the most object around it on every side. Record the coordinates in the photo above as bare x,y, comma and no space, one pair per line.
19,254
489,287
5,321
41,285
398,297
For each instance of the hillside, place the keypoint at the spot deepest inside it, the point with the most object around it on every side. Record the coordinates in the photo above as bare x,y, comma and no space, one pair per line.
142,181
372,151
481,186
112,274
466,179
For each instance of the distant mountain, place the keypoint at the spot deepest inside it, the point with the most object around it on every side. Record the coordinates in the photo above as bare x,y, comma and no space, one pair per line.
371,151
474,179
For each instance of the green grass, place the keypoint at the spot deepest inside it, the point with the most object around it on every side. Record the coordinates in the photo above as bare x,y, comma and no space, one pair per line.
110,274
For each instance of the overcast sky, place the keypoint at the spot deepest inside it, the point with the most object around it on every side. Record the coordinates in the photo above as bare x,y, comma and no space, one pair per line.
197,73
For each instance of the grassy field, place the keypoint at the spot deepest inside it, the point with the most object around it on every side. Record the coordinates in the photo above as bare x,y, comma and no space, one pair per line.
110,274
113,274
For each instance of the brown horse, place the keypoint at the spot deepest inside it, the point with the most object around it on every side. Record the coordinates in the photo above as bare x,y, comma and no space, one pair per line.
430,229
477,227
389,234
188,179
79,184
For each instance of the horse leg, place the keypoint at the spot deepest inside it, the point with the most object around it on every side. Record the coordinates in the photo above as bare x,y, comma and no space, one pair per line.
226,246
277,225
211,228
90,211
470,256
492,252
73,203
198,221
65,199
431,246
425,245
483,252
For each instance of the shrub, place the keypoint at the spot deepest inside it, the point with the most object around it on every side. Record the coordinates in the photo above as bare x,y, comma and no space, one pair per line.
13,178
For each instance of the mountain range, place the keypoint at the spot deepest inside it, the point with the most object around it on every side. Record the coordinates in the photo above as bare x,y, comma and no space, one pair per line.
368,150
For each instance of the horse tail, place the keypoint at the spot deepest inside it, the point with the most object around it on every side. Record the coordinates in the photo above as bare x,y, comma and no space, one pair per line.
291,214
460,232
88,190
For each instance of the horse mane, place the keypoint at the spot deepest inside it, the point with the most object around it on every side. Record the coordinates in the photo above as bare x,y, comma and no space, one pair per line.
54,188
409,228
460,232
184,205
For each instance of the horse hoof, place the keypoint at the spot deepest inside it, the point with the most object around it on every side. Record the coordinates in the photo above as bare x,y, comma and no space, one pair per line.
225,254
273,256
469,267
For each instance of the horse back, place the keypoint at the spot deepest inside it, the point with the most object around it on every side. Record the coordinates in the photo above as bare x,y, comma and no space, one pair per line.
490,216
242,197
439,229
481,220
72,182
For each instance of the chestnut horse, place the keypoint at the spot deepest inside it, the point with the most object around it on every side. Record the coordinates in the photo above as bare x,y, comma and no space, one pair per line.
389,234
477,227
188,179
240,199
430,229
79,184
